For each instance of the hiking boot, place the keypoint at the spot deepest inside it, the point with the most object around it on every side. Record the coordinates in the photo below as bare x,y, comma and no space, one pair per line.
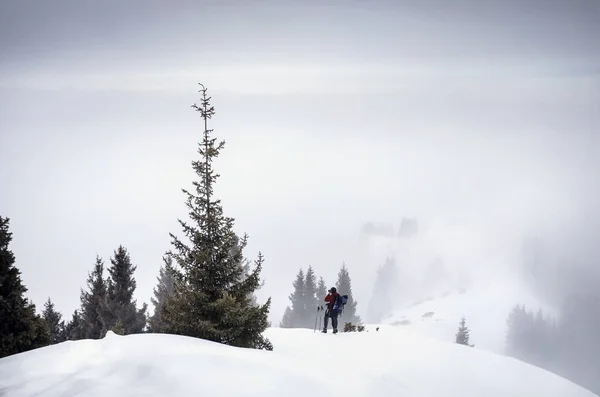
324,331
335,330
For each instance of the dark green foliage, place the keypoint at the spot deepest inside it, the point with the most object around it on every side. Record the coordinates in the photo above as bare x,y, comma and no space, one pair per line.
93,303
118,328
54,322
344,287
230,319
21,329
212,298
74,328
247,271
119,304
164,288
462,336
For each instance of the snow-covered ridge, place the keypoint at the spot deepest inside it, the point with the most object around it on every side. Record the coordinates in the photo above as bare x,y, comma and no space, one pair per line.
390,362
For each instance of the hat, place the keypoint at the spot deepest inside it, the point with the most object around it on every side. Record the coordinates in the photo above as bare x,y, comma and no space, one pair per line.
332,289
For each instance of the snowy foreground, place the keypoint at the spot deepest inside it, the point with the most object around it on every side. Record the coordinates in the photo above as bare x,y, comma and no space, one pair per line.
390,362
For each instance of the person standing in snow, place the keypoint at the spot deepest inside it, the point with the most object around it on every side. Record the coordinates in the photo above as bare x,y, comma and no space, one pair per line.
331,299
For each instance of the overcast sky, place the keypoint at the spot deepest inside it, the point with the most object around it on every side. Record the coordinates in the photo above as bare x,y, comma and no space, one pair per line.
479,118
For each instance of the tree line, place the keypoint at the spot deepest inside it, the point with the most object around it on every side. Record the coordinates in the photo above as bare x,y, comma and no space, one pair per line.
107,304
568,346
309,294
205,287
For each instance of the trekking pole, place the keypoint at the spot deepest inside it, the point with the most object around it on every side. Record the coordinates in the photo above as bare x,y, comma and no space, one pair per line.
315,330
320,318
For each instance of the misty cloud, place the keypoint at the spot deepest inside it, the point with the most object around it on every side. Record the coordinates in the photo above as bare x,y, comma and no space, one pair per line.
471,127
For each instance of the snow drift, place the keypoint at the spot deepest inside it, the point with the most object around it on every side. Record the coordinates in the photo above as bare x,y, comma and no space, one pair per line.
391,362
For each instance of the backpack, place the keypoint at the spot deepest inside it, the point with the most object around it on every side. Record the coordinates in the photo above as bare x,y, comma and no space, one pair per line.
340,302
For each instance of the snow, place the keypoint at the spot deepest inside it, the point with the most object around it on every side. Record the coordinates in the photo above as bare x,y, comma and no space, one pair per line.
392,362
486,310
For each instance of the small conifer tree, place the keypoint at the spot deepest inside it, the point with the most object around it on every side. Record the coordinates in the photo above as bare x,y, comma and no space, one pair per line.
462,336
54,322
119,303
93,303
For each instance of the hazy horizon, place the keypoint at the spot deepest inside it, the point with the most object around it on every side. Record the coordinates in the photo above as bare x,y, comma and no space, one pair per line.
478,119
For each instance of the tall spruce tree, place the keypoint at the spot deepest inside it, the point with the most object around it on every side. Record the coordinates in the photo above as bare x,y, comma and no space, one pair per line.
310,296
54,322
462,336
93,303
163,289
120,305
21,329
212,296
344,287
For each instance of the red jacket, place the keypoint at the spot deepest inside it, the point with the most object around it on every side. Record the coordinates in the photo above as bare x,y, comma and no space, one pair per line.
330,299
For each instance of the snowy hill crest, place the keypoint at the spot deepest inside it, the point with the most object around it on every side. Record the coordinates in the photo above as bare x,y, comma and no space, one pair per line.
391,361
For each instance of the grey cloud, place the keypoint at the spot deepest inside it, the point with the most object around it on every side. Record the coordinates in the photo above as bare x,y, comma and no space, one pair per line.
479,119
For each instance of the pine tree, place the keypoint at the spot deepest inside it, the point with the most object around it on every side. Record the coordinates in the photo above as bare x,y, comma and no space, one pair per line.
462,336
321,290
344,287
164,289
54,322
21,329
297,316
120,305
93,303
310,297
212,296
74,328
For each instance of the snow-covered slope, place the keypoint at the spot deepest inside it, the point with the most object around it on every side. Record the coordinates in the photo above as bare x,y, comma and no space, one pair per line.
390,362
486,310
